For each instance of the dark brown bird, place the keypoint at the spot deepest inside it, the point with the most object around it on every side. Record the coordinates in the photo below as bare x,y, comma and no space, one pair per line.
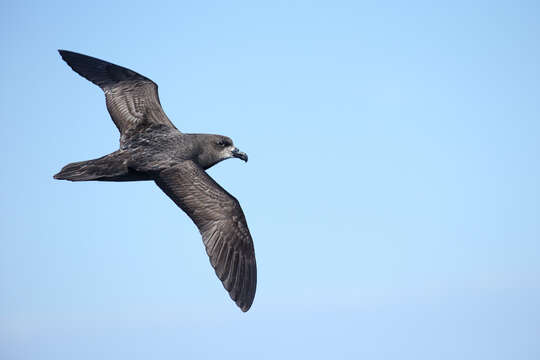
151,148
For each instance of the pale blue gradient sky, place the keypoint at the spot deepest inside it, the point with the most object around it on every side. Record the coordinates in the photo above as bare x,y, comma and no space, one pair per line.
393,188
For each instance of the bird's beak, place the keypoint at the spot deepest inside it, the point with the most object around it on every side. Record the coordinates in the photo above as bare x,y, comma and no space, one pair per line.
239,154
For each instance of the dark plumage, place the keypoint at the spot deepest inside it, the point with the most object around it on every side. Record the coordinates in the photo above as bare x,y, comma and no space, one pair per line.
151,148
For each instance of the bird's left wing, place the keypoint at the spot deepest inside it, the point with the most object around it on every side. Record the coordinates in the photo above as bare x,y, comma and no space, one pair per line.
132,99
222,225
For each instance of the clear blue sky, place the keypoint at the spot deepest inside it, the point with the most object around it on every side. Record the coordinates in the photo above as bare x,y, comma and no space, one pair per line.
393,187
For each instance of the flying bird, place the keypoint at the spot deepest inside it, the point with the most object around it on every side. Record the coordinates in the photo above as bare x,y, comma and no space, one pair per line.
152,148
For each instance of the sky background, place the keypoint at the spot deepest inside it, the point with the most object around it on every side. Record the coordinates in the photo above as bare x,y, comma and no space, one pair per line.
393,187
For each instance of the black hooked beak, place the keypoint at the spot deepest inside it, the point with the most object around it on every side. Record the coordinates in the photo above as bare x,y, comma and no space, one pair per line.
239,154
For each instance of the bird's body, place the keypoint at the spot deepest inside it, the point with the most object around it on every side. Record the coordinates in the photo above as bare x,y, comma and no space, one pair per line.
152,148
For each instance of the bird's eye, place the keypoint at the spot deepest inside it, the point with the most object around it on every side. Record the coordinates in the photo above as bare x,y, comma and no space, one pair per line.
222,143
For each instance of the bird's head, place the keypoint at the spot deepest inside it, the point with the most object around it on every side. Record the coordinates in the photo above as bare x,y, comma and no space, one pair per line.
224,146
216,148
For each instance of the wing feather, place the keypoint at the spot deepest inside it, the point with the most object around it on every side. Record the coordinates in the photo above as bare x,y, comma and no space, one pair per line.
132,99
222,224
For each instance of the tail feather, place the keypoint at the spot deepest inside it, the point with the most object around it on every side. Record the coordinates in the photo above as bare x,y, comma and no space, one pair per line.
82,171
112,167
74,172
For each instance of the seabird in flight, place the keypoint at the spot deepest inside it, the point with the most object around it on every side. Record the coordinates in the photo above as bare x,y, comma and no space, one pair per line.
152,148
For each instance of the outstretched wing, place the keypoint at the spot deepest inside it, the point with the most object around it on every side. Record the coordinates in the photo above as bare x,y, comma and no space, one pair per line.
131,98
222,225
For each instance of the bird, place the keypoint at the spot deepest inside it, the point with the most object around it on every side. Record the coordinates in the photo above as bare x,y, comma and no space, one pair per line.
153,149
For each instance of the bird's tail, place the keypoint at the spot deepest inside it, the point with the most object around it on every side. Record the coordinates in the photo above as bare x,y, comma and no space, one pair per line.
112,167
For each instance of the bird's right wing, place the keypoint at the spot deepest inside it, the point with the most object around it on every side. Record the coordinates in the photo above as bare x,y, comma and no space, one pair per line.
222,225
131,98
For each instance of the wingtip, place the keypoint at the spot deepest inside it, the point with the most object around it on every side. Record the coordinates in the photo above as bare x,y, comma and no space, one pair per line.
243,305
68,56
64,54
